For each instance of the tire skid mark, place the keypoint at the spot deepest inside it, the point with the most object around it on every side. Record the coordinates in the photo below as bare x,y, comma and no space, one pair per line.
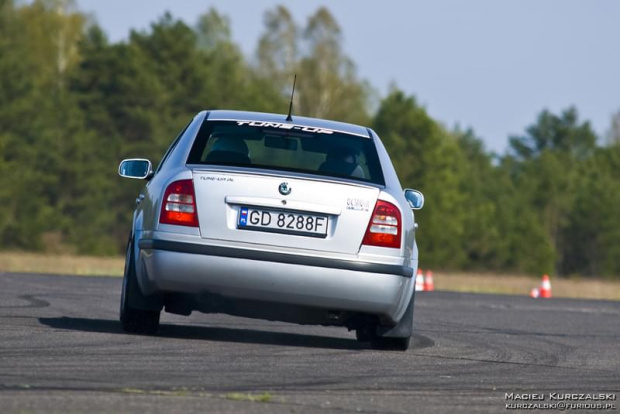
517,363
484,345
473,329
541,308
477,348
560,354
531,354
33,303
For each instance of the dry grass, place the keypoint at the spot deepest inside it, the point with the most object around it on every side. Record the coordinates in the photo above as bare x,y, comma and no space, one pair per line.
61,264
448,281
521,285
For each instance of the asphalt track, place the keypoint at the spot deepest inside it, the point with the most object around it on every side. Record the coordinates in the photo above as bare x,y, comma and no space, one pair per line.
62,350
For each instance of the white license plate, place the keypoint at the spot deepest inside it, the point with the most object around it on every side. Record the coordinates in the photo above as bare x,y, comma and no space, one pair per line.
287,222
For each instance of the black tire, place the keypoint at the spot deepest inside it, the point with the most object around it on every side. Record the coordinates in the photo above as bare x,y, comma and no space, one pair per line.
133,320
365,333
396,338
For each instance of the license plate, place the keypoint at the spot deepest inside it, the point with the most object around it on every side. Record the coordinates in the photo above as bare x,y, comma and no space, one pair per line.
273,221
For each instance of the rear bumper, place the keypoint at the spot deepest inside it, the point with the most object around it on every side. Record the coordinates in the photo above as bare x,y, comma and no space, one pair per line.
218,251
334,284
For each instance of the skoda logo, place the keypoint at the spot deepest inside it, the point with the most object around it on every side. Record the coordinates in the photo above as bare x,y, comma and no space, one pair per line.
284,189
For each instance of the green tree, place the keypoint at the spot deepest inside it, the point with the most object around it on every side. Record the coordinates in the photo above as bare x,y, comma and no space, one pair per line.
327,83
481,239
136,97
230,82
41,129
428,158
613,136
278,48
562,134
547,162
593,229
523,243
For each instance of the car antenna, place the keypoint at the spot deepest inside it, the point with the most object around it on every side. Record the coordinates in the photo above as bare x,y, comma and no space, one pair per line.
290,106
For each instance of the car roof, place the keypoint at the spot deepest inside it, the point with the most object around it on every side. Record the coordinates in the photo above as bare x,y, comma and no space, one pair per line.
226,115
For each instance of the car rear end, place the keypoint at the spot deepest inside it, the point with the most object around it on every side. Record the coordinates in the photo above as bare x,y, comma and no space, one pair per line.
262,220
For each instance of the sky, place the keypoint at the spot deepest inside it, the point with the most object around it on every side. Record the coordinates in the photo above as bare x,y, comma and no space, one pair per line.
489,65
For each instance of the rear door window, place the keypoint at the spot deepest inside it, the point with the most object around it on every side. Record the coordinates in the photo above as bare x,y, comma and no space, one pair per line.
308,150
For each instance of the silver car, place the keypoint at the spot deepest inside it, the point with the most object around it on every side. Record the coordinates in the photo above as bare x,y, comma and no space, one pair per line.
254,215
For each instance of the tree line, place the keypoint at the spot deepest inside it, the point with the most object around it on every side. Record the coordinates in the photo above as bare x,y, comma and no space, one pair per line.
73,104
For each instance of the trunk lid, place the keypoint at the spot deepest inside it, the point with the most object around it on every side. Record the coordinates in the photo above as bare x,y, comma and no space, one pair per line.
321,215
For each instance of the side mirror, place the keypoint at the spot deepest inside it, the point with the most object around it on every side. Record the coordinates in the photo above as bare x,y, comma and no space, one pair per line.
414,198
138,168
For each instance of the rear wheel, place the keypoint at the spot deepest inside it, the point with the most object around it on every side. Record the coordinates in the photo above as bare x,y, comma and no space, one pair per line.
368,333
365,333
395,338
134,320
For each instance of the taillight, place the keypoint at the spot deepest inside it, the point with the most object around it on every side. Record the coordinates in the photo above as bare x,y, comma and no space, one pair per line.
384,227
179,204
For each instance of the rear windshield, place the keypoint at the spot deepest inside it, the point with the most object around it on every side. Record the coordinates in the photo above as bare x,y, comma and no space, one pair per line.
287,148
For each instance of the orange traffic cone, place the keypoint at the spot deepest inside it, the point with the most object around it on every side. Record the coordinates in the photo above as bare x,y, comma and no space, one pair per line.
419,281
545,287
429,285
